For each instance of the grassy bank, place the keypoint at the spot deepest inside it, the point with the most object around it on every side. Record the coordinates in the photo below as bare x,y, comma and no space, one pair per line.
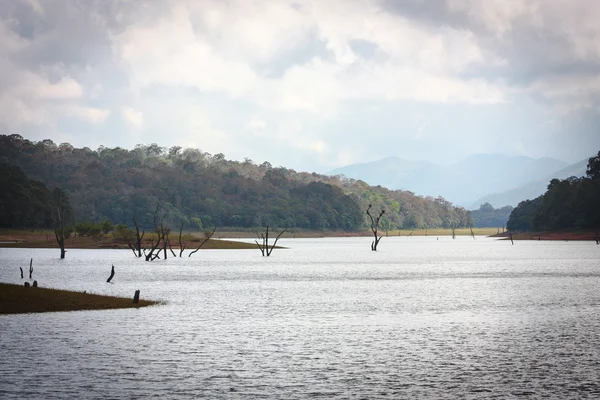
15,299
25,238
39,238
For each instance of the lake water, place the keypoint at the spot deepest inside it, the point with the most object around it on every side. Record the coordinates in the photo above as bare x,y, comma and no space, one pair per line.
421,318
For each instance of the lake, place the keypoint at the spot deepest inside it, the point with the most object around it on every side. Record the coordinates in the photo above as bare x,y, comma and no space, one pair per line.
325,318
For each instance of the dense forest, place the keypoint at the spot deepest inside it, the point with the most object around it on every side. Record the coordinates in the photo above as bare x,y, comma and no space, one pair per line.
572,203
25,202
202,190
488,216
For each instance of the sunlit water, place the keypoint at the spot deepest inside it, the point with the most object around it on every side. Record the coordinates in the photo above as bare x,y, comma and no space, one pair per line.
325,318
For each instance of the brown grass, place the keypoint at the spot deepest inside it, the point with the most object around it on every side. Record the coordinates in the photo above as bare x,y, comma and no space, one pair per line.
15,299
24,238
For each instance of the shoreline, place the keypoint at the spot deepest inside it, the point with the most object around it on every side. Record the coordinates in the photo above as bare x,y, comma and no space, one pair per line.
17,299
44,238
550,236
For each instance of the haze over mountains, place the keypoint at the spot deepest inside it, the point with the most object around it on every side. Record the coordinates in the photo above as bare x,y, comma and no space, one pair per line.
496,178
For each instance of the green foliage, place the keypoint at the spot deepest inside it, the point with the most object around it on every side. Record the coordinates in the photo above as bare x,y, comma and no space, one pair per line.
202,190
25,202
123,233
567,204
90,229
593,167
487,216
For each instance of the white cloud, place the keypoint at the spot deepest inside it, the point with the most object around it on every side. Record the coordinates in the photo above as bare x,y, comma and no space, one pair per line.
89,114
133,117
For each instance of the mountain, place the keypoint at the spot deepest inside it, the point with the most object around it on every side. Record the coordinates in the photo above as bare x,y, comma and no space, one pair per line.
461,183
530,190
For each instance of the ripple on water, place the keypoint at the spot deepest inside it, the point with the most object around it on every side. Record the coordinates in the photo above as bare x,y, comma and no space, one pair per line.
324,319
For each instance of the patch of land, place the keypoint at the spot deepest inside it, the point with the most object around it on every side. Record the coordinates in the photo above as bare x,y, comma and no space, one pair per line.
16,299
566,235
44,238
40,238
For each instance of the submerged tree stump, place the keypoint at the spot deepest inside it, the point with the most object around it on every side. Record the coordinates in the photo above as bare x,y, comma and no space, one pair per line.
27,284
35,284
136,297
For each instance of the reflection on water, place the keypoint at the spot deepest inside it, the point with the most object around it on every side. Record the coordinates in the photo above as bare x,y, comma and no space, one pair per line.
326,318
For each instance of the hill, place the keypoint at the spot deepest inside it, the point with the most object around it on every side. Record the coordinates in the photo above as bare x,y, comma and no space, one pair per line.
532,189
462,183
200,190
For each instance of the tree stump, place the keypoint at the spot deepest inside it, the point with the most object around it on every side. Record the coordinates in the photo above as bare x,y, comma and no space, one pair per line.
27,284
35,284
136,297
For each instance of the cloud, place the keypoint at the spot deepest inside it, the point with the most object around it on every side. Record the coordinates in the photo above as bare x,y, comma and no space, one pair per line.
133,117
318,82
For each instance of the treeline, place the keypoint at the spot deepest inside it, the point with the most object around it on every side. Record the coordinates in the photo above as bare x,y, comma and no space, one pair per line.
572,203
489,217
205,190
27,203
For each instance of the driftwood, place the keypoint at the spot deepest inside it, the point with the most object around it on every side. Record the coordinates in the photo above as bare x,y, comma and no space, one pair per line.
375,227
207,236
112,274
264,245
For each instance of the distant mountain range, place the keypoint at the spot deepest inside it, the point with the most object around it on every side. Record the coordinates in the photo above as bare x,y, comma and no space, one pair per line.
496,178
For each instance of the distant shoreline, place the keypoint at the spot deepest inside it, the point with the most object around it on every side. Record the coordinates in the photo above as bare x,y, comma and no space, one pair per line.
44,238
549,235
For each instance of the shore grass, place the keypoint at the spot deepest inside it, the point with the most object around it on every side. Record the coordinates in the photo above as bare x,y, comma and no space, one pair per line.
44,238
16,299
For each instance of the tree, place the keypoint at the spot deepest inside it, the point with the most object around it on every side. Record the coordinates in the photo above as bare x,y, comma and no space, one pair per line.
263,246
207,235
375,227
593,167
62,211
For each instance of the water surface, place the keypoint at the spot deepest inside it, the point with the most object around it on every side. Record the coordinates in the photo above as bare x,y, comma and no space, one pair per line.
325,318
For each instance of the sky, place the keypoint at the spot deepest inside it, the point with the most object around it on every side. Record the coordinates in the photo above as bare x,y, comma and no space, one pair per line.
309,85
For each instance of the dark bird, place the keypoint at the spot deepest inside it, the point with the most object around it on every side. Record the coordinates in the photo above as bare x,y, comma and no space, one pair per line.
112,273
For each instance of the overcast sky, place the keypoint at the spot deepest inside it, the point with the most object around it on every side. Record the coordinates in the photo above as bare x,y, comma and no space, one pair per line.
309,85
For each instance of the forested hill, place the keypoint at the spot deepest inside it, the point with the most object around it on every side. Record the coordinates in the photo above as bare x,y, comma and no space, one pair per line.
571,203
204,190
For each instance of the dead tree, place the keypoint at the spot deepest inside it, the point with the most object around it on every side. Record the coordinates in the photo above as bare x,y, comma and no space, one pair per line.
453,232
511,238
30,268
112,274
472,233
264,245
59,232
137,248
375,227
207,235
181,243
160,238
21,272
